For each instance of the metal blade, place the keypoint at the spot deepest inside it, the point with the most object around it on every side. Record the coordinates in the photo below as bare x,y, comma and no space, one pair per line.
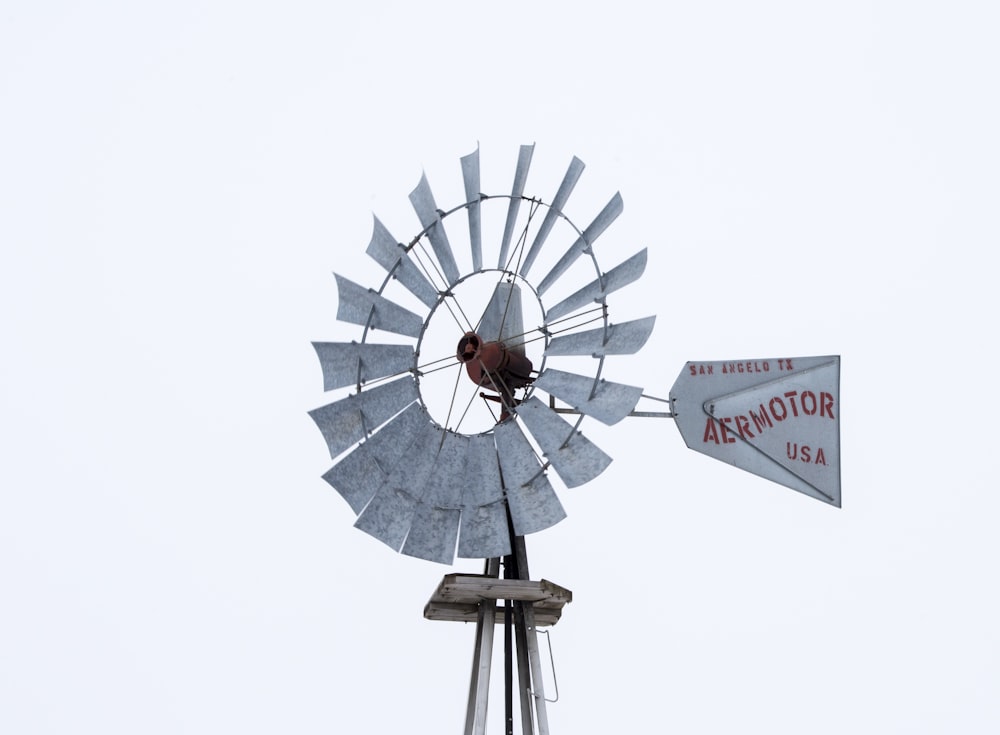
433,534
350,363
626,338
576,167
594,292
470,174
434,530
503,319
423,203
356,304
483,533
390,513
520,177
346,421
609,403
532,501
582,245
392,255
574,457
361,473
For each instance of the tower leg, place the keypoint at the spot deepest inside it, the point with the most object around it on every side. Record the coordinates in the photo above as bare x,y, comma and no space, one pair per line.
529,660
482,660
537,690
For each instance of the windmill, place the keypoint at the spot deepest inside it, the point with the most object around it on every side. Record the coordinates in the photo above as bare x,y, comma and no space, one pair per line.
460,409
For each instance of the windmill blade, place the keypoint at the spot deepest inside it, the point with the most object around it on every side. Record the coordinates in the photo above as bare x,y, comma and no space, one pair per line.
609,403
483,533
576,167
346,421
355,304
532,501
618,277
390,513
470,175
626,338
434,530
503,318
385,250
350,363
423,203
516,192
583,243
359,475
574,457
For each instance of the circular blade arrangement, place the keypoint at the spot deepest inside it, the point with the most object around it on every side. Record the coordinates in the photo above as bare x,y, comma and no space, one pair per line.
417,477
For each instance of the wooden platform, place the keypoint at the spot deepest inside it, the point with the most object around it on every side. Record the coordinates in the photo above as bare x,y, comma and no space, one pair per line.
458,596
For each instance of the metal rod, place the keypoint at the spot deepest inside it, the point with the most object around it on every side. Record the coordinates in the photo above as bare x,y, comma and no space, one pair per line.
638,414
508,658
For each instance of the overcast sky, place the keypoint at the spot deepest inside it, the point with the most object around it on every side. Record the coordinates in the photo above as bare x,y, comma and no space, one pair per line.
179,180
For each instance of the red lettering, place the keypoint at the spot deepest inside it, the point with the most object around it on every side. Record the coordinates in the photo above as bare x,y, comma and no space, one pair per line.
743,426
710,431
790,395
826,404
781,403
760,420
805,453
808,399
820,457
727,435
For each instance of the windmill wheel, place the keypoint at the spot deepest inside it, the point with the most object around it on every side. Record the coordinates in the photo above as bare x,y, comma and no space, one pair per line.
447,428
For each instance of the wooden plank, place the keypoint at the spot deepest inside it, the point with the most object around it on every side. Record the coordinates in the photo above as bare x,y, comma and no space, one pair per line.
458,596
469,613
472,588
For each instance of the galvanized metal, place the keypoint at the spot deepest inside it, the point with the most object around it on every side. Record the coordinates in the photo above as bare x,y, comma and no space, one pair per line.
430,218
583,243
533,503
596,291
389,515
483,533
503,319
385,250
359,475
778,418
574,457
347,421
514,205
605,401
553,213
434,530
482,661
422,488
618,339
349,363
470,175
359,305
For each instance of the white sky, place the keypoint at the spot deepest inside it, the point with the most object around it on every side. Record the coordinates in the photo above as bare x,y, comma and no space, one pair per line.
178,182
